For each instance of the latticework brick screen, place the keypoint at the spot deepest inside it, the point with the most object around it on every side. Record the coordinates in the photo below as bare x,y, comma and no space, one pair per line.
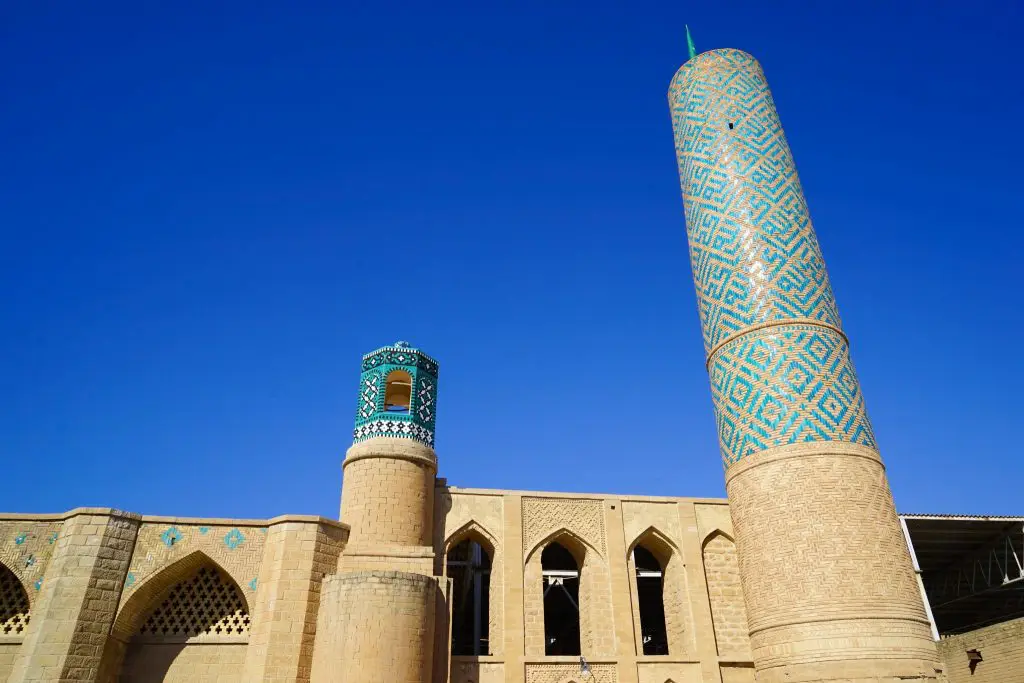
207,604
13,604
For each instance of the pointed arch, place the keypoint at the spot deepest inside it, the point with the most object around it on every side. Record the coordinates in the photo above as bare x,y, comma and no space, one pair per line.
662,617
649,560
711,534
587,593
21,573
575,544
15,609
472,530
469,560
722,578
657,542
156,587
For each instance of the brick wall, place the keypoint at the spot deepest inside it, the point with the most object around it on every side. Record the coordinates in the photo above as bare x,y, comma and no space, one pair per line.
299,553
78,598
726,594
867,619
26,546
184,663
236,546
375,626
387,492
1002,652
745,674
278,572
468,670
7,653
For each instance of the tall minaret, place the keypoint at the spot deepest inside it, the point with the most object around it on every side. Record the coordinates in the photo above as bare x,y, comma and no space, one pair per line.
827,577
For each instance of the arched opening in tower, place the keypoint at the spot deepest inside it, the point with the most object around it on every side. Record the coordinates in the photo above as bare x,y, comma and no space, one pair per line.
469,568
561,576
398,392
651,603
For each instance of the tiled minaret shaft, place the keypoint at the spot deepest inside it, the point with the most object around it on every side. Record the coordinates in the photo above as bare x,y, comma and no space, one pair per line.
827,578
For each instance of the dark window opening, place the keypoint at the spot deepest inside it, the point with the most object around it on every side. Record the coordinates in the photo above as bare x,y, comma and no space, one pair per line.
398,392
561,583
469,568
649,591
730,125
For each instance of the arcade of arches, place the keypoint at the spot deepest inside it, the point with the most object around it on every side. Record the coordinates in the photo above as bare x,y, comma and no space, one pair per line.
643,590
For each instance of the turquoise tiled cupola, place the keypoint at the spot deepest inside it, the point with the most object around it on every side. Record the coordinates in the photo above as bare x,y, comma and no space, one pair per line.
397,395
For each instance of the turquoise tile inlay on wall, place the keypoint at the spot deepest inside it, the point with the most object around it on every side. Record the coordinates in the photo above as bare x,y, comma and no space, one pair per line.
779,362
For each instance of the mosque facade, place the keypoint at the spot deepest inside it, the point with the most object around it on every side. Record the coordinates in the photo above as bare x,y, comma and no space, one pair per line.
803,574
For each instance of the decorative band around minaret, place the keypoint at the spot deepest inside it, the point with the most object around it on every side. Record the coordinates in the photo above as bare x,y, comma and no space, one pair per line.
777,357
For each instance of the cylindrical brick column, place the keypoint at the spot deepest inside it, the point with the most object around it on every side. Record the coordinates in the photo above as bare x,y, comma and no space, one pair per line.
387,494
375,626
827,578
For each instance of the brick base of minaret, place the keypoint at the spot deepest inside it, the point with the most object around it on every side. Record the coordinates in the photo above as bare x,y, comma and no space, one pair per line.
826,572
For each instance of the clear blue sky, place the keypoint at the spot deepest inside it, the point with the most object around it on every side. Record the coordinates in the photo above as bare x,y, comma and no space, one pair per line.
212,210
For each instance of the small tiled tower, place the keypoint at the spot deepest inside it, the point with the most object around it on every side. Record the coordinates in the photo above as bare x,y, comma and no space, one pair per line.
388,484
397,395
376,617
827,578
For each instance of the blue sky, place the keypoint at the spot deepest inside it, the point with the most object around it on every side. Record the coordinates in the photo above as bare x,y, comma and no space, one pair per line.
212,210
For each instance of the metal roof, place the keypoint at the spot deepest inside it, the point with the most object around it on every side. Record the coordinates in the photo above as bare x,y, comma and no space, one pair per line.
978,518
971,567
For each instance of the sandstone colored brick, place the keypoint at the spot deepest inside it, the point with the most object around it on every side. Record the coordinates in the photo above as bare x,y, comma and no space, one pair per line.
1002,652
317,600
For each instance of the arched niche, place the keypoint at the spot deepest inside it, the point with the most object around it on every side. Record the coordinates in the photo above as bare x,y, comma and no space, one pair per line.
660,596
725,594
189,612
15,609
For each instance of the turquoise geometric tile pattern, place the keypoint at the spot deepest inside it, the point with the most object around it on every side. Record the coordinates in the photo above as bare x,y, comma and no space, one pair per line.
372,417
779,363
754,253
786,384
171,536
233,539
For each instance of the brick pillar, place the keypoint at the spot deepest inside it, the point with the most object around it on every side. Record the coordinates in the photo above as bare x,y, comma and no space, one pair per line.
300,550
514,646
703,636
622,607
829,588
78,597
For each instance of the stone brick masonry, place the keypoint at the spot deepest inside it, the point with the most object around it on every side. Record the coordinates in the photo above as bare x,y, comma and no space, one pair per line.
306,607
1001,648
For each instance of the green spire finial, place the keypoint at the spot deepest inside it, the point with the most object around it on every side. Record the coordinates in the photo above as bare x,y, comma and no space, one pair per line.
689,43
